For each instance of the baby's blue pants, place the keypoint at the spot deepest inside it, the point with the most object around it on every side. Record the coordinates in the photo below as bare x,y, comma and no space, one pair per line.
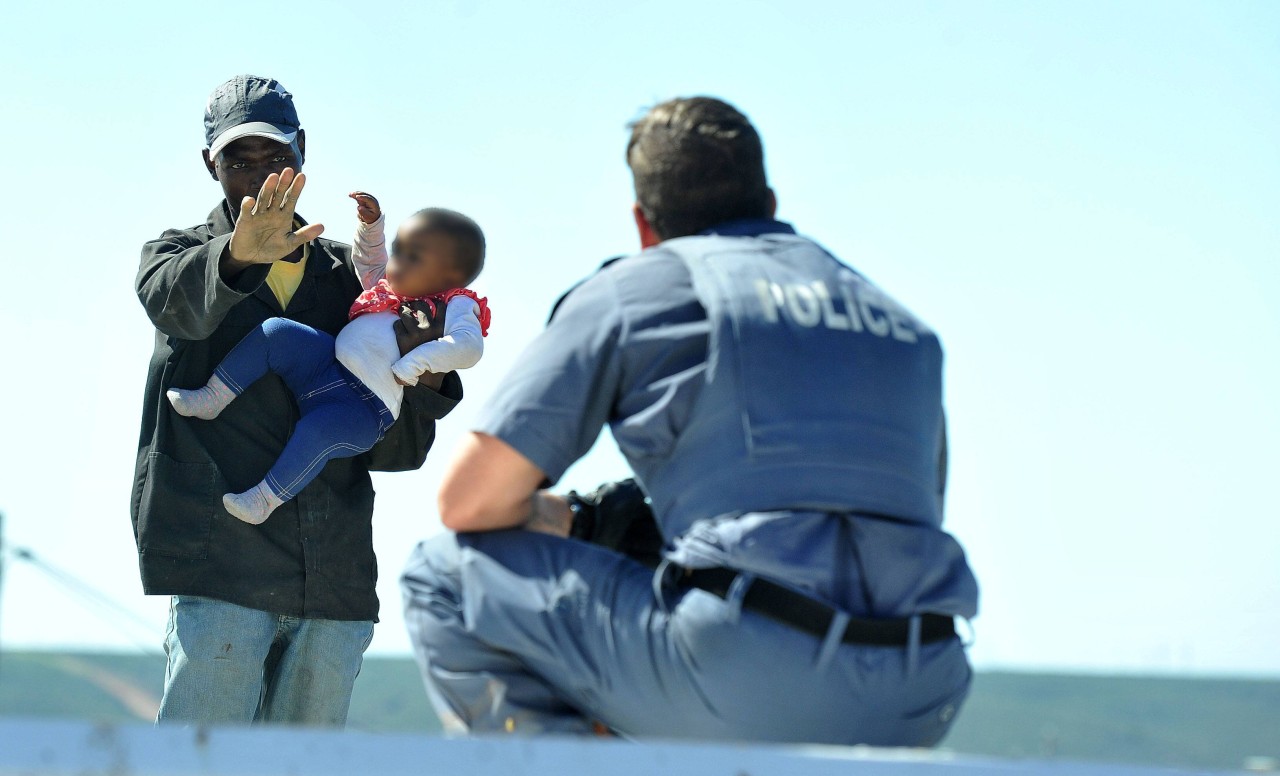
339,416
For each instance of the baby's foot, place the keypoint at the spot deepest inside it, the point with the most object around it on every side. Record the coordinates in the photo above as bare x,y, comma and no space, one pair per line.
204,403
254,505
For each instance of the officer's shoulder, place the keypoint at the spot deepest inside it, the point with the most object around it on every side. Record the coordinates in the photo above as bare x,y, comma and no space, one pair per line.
615,271
620,269
555,308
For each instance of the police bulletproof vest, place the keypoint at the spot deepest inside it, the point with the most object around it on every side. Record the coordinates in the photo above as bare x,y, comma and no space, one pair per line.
821,392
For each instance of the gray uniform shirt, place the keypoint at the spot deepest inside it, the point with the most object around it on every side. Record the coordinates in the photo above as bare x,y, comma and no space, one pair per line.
628,348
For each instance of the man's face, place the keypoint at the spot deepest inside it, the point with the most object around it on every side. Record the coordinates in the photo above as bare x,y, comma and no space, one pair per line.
243,166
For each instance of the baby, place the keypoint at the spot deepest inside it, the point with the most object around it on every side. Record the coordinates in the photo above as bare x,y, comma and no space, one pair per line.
349,389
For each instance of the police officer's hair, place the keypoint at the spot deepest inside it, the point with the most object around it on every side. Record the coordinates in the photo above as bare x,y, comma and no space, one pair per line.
697,162
467,238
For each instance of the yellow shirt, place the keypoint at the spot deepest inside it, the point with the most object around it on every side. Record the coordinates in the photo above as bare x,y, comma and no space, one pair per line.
285,276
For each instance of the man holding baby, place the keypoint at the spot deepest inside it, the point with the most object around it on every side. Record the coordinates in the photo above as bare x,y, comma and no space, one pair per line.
267,622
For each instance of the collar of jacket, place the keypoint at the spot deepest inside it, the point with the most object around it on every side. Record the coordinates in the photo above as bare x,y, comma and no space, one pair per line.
323,259
750,227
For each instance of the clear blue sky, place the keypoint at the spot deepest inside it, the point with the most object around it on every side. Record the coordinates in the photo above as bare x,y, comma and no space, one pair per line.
1082,198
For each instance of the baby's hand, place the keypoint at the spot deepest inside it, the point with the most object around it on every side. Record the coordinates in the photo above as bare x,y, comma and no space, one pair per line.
367,209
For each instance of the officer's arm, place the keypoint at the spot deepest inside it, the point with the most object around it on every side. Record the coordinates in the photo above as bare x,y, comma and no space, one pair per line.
491,486
543,416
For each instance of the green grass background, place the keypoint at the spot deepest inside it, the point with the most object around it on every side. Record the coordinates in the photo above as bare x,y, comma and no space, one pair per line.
1212,723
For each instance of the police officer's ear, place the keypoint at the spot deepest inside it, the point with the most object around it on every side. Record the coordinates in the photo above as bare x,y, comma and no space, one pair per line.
209,164
773,203
302,147
649,236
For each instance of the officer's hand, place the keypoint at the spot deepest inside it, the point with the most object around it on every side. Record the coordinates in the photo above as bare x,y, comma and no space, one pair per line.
618,516
264,229
367,209
418,324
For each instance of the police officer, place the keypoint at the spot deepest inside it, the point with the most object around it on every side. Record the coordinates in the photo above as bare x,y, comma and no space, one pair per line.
784,416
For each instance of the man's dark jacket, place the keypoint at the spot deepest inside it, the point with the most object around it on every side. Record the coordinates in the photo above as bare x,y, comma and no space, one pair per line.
314,556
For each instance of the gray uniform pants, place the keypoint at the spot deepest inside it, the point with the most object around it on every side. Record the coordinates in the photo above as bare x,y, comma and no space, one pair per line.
523,632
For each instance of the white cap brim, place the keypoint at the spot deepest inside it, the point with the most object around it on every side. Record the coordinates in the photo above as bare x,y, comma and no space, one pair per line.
252,129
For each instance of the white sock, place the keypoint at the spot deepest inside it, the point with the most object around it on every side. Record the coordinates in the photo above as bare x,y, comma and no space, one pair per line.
204,403
254,505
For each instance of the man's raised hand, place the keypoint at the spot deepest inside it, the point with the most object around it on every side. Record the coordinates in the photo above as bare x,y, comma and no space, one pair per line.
264,230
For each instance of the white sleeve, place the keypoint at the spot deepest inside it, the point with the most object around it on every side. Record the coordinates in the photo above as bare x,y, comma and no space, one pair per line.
369,252
460,348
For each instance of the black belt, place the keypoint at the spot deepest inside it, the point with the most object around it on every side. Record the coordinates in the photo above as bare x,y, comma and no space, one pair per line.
811,616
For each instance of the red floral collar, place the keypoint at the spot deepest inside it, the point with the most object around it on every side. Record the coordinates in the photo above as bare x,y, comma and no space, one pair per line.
381,298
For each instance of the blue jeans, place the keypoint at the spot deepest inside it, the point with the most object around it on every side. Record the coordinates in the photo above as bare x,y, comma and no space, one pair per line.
229,664
340,416
524,632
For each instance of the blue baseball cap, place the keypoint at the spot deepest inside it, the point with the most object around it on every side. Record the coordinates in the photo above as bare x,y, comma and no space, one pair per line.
250,106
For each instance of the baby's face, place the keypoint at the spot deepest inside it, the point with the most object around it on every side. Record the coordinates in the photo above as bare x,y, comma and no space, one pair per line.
422,261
